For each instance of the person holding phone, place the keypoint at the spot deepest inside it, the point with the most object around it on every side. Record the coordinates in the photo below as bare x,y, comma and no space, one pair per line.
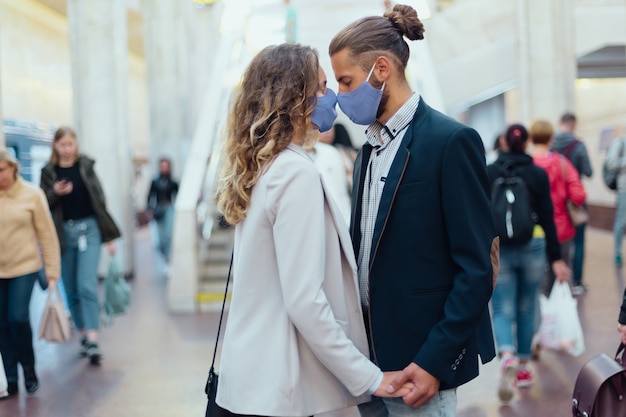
83,223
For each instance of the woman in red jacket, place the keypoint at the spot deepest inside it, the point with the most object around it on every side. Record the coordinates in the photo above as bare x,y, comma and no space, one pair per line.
564,185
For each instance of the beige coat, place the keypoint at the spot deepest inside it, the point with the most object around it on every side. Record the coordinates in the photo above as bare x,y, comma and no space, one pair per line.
25,224
295,343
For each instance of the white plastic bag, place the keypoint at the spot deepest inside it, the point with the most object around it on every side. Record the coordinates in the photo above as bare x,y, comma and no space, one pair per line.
3,380
560,326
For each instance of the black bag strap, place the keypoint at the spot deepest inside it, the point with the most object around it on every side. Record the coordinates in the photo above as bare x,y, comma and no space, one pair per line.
569,148
620,355
219,326
212,376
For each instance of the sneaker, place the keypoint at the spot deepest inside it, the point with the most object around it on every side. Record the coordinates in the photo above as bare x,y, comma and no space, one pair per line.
524,378
579,290
618,261
508,375
93,353
82,351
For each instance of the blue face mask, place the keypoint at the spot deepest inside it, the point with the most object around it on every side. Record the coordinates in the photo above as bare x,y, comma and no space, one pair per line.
361,105
324,114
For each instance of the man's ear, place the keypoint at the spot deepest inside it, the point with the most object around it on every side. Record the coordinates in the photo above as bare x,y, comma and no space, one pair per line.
383,68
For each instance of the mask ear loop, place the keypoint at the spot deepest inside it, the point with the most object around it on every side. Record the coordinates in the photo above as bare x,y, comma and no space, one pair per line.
370,74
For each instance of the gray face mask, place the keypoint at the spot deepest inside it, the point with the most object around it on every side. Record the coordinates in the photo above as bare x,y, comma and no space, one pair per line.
361,105
324,114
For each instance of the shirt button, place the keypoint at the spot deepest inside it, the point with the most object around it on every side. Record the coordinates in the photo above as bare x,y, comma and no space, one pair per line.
453,367
464,351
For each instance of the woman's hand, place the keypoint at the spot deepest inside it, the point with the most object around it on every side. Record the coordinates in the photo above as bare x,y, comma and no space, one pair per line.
381,391
621,328
111,248
63,187
561,270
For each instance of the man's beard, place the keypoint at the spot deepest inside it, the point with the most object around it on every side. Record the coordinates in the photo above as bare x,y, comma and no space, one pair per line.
383,104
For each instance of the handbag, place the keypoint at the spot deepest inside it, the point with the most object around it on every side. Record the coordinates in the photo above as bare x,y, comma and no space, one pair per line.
601,387
210,389
577,214
55,323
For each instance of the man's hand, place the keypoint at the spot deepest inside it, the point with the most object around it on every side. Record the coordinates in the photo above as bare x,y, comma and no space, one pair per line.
383,390
425,385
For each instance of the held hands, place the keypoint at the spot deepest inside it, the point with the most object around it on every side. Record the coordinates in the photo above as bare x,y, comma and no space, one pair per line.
383,388
561,270
63,187
425,386
621,328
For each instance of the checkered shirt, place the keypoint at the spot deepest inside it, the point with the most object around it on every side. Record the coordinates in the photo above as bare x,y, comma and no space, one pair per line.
386,140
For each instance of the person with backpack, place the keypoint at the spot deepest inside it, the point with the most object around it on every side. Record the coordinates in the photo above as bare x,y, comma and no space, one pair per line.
565,186
522,211
567,144
616,164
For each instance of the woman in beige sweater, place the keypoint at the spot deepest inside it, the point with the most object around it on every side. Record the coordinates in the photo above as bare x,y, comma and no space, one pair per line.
26,232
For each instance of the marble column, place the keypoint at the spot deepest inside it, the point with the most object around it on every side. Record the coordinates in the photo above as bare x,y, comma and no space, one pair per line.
168,83
547,64
99,48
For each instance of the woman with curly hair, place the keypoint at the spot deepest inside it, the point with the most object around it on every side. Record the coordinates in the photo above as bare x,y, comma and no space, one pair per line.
295,343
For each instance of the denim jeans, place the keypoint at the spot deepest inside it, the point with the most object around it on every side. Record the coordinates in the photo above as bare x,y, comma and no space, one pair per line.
578,257
443,404
16,335
164,229
514,300
79,269
620,221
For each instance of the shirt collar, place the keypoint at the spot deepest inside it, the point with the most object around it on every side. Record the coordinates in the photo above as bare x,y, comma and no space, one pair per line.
300,150
398,122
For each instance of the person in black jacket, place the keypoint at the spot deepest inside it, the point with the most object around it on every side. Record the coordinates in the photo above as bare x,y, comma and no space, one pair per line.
424,238
163,190
522,265
83,223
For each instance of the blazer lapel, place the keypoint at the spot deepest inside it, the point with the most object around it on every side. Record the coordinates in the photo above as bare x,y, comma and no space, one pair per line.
360,166
396,172
340,225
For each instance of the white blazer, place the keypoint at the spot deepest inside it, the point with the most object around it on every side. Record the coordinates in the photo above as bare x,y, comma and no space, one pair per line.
295,343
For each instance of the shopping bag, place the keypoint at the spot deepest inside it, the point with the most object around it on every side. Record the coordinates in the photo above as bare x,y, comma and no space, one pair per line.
117,294
560,327
4,385
55,323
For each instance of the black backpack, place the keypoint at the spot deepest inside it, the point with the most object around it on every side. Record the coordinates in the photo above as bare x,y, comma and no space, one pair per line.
512,212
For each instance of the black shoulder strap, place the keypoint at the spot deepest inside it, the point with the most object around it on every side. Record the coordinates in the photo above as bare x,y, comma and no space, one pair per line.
219,326
570,148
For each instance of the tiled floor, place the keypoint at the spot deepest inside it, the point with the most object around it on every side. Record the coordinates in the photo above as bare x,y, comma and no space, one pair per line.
155,362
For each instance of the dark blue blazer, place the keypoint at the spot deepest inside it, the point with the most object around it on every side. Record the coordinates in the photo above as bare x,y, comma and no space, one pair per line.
431,271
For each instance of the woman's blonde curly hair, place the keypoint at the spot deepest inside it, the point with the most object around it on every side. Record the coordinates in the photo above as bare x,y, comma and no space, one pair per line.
277,97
